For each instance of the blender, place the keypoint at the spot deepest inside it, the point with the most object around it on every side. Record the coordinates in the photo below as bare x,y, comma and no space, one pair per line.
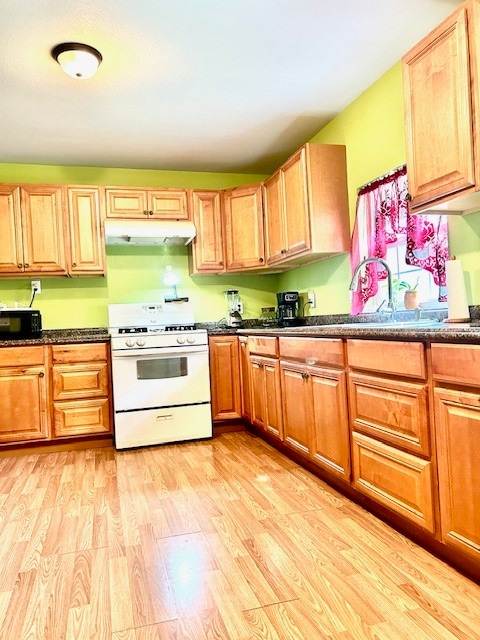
234,319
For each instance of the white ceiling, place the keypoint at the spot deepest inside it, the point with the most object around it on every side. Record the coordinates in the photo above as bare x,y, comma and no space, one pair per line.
201,85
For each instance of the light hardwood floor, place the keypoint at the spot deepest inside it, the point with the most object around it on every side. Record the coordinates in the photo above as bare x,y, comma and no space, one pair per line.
224,539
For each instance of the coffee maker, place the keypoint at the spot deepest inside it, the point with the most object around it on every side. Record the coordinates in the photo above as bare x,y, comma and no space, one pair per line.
288,303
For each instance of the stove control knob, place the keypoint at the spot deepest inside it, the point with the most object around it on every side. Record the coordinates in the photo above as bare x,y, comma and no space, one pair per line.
191,340
181,340
140,343
130,342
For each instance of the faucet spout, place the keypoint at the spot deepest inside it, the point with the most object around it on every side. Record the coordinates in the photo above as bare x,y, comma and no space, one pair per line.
354,282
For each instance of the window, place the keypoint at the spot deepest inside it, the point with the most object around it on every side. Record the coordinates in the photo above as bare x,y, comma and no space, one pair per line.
403,273
414,246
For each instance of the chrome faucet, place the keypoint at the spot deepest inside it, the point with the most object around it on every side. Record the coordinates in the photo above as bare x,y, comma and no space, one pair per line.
354,282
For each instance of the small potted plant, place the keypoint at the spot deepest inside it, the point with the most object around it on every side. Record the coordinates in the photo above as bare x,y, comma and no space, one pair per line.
410,298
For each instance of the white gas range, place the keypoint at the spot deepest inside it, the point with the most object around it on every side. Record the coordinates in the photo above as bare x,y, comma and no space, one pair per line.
160,373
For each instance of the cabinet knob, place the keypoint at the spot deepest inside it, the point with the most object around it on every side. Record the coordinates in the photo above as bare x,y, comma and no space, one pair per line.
74,264
41,374
19,265
26,265
150,213
145,212
261,259
408,197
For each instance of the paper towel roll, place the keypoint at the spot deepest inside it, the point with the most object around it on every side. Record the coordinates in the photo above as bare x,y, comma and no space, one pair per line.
456,292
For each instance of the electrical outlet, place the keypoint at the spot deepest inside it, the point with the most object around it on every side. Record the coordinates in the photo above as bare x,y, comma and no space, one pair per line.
36,286
240,307
311,298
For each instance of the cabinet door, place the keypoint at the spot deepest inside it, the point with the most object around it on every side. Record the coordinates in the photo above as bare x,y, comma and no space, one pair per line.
168,204
297,411
23,403
87,249
245,378
244,243
11,250
438,113
331,440
275,241
225,377
43,229
457,424
257,382
126,203
207,246
297,221
395,479
394,411
272,397
81,418
80,381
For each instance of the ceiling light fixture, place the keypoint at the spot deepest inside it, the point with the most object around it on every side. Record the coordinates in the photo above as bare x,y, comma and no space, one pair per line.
80,61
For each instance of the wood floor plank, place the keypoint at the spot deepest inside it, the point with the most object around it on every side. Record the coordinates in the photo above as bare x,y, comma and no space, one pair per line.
223,539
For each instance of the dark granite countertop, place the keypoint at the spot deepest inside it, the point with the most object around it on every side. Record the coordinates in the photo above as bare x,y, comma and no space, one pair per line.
62,336
438,332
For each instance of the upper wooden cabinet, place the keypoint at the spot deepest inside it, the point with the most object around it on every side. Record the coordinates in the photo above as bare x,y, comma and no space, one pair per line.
306,206
32,230
207,254
87,249
167,204
442,110
243,228
51,230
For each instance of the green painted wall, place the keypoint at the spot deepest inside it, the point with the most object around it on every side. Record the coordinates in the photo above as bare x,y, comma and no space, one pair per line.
134,274
372,128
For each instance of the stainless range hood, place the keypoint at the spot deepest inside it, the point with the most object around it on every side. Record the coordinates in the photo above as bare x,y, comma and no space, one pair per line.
149,232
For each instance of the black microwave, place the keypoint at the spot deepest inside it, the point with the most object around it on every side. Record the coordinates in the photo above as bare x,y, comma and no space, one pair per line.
18,324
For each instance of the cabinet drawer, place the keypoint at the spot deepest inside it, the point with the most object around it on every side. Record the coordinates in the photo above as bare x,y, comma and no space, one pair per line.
91,352
393,411
81,417
397,480
457,363
80,381
21,356
312,351
263,345
395,358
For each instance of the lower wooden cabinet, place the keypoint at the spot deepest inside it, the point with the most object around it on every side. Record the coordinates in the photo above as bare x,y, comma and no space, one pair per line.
456,375
53,392
315,412
246,397
398,480
297,412
266,403
225,377
24,410
457,417
80,376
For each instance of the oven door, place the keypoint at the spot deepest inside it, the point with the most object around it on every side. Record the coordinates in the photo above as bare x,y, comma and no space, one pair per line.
160,377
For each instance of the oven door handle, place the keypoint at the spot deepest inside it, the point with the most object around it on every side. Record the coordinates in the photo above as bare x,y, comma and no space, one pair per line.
161,352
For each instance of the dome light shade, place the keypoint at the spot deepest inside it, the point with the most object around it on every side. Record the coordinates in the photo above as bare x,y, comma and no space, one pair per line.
79,61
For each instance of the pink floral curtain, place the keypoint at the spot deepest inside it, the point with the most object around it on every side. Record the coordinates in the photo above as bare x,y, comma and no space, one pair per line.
382,218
